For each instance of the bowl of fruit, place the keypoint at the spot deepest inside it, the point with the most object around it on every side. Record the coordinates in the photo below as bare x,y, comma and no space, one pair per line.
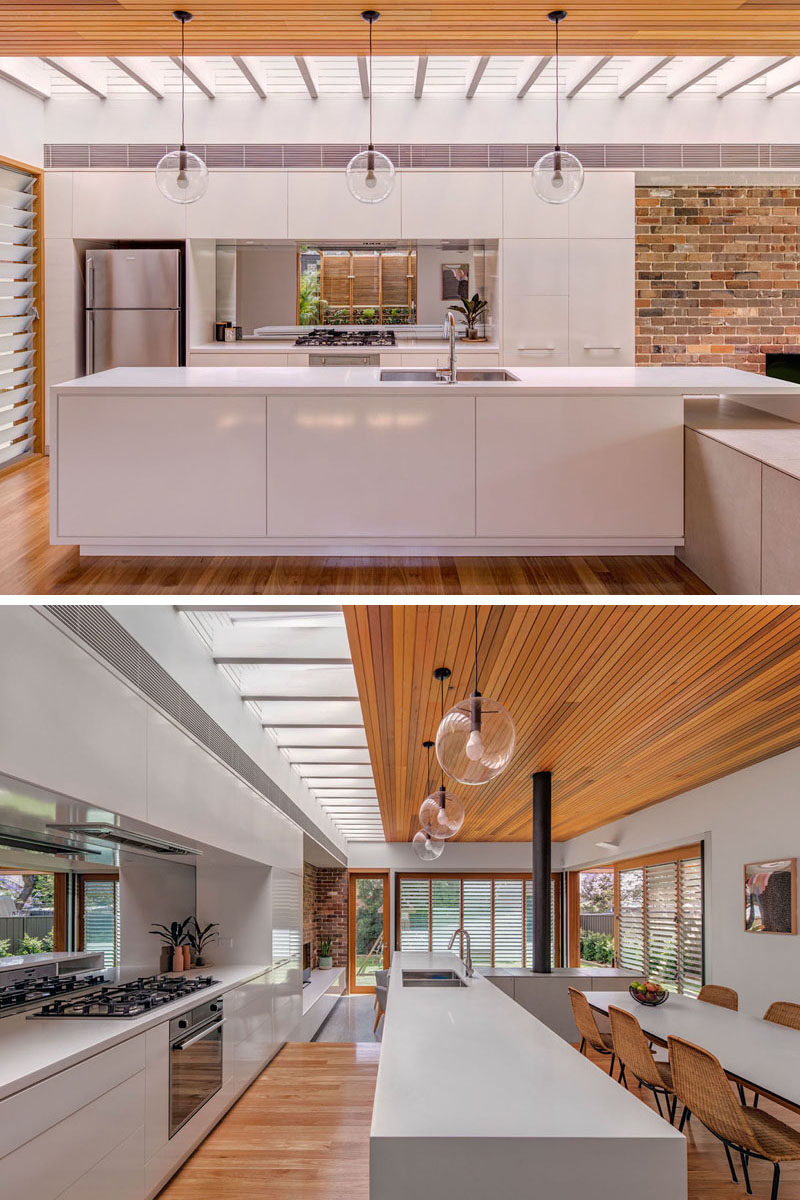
648,992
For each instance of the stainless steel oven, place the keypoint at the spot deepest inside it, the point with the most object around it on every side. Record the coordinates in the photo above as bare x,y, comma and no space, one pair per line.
195,1061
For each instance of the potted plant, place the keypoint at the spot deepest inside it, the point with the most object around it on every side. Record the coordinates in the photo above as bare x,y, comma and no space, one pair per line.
470,310
325,957
173,940
200,938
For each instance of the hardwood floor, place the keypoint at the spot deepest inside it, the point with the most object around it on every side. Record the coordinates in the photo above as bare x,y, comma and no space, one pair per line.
29,565
302,1133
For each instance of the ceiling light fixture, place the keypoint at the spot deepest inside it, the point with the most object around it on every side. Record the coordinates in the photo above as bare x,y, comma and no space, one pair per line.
426,848
442,814
558,175
370,174
476,739
181,176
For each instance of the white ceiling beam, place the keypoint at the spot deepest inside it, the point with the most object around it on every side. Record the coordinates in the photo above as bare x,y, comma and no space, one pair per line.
695,70
140,72
249,68
783,80
26,75
479,66
83,72
422,70
363,76
584,73
532,68
641,71
738,75
197,70
304,67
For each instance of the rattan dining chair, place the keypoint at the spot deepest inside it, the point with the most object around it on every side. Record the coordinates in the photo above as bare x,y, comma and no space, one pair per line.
780,1012
633,1051
703,1088
723,997
588,1029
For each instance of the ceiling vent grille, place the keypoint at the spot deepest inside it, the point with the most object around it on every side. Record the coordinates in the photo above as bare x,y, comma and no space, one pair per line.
95,626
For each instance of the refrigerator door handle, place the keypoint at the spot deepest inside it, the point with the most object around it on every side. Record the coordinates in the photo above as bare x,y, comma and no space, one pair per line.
90,342
89,282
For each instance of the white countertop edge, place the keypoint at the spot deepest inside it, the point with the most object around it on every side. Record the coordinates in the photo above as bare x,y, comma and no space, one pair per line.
93,1035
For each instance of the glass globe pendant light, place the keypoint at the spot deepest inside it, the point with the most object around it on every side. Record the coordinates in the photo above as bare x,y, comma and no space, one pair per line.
558,175
442,814
370,174
426,848
180,175
476,738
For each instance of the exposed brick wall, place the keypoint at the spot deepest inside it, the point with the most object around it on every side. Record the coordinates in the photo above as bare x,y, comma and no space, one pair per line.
325,911
718,274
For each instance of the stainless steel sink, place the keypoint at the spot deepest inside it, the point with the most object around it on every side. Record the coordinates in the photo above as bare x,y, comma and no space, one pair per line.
432,979
430,375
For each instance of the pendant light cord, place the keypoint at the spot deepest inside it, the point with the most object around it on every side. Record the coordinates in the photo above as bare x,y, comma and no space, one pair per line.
370,82
558,144
441,688
476,650
183,85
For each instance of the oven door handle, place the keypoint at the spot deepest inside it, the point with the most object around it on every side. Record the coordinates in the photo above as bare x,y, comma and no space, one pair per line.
204,1032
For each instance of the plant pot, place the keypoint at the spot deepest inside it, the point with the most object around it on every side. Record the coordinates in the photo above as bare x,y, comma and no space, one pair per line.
325,962
187,958
165,961
177,958
472,335
200,961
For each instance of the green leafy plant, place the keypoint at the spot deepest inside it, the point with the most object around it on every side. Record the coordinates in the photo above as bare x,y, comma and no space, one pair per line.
597,947
470,310
200,938
30,945
174,934
308,298
325,947
5,947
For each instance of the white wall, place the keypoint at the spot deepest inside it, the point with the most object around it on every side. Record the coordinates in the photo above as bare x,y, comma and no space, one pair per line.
151,890
21,125
238,896
749,816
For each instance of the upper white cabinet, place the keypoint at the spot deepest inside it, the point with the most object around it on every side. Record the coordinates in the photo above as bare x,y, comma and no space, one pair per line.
601,302
240,204
535,278
320,206
123,204
448,204
525,215
605,207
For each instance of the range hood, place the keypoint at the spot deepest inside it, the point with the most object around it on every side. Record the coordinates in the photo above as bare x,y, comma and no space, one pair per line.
17,839
102,831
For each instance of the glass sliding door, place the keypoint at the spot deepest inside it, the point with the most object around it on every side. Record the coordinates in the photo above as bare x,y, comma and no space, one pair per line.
368,917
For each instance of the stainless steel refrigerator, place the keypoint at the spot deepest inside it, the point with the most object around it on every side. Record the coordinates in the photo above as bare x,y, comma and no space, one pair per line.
134,311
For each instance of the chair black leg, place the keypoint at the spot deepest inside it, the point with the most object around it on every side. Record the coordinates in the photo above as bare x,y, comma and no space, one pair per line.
611,1068
730,1162
582,1046
742,1096
623,1080
745,1172
776,1181
755,1099
684,1116
672,1107
658,1104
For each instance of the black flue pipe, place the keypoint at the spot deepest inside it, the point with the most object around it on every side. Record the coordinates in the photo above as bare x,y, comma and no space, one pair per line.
542,834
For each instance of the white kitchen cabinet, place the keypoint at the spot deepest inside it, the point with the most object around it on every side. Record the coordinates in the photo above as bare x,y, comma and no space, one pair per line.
240,204
535,267
525,215
239,358
47,674
536,331
601,302
119,1174
370,466
123,204
222,436
780,531
560,467
320,206
605,207
451,204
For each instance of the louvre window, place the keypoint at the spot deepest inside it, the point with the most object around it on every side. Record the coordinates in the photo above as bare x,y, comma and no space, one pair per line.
496,911
660,921
18,266
100,912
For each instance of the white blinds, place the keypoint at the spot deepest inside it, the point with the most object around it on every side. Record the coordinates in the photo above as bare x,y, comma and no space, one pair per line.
17,315
691,925
631,920
101,918
660,923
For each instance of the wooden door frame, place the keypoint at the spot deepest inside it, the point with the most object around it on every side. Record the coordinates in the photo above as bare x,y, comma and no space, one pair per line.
352,878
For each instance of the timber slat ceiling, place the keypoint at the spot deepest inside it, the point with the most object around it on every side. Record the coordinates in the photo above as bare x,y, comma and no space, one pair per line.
626,705
326,27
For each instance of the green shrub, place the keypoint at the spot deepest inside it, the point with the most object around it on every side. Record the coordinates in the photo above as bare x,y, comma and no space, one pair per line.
597,947
31,945
5,947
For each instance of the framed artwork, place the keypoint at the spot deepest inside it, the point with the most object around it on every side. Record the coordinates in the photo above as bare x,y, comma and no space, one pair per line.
770,896
455,281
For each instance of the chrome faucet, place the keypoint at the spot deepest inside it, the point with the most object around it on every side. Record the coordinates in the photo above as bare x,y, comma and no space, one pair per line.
448,374
467,959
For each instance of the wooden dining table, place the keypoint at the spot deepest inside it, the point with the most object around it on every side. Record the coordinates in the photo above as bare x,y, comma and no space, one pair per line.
755,1053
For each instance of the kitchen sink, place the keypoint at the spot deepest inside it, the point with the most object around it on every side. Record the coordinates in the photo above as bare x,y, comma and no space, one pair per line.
432,979
430,375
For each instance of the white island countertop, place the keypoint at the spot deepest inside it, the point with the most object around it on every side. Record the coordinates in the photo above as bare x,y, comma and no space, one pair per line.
315,380
32,1050
476,1098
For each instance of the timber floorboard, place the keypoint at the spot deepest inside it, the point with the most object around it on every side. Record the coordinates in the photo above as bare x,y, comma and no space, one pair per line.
301,1132
29,565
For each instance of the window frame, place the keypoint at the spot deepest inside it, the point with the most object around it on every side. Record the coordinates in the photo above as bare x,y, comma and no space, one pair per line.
352,882
80,906
523,876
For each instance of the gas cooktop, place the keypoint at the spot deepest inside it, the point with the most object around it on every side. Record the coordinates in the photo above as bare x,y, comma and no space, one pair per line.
127,999
27,991
347,337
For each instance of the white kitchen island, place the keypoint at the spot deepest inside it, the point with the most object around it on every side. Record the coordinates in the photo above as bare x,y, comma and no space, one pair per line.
335,460
476,1098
